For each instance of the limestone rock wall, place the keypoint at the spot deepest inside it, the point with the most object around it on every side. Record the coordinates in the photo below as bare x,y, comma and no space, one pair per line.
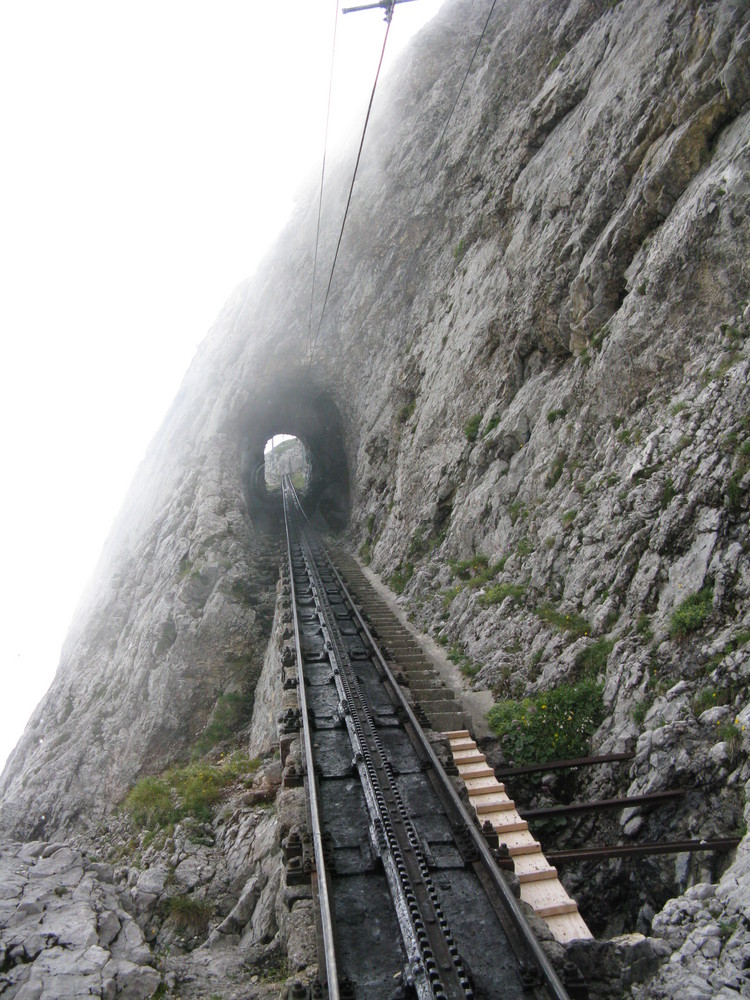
535,350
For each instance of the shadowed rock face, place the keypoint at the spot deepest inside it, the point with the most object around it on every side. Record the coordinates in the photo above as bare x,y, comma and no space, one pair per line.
569,268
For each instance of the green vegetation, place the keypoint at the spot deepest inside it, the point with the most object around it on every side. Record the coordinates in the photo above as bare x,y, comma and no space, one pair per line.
524,548
733,497
593,659
231,710
708,698
643,628
459,250
517,509
192,790
406,411
640,710
189,913
491,425
668,492
691,614
568,517
457,655
564,621
553,415
678,408
398,580
556,470
471,427
552,725
498,593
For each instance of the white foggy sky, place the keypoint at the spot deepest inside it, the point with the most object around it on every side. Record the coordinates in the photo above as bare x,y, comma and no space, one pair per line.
150,153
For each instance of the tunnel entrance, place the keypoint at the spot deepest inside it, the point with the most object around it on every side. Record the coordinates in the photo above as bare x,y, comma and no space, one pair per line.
285,455
287,409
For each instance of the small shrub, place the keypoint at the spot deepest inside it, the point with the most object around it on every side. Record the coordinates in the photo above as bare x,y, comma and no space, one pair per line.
150,803
459,250
189,913
668,492
733,497
516,509
691,614
230,712
449,596
491,425
643,628
406,411
568,517
678,408
593,659
471,427
553,415
498,593
565,621
556,470
553,725
524,548
708,698
457,655
640,711
398,580
157,802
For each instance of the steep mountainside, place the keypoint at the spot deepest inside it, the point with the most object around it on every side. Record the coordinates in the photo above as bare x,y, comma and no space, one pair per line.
527,406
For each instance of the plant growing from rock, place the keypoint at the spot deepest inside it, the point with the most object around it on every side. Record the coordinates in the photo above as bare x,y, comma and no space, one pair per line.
498,593
564,621
691,614
471,427
157,801
593,659
189,913
552,725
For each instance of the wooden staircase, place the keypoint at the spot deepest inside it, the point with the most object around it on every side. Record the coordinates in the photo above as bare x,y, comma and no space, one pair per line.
540,886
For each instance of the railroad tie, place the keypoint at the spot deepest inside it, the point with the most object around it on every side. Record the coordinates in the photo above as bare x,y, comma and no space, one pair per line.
540,886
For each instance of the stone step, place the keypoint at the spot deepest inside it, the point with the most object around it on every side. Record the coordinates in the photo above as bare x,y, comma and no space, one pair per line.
440,720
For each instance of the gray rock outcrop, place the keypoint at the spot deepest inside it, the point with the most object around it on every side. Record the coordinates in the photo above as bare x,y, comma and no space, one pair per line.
535,351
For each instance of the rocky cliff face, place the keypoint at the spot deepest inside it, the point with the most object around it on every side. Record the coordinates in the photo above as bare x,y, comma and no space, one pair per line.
534,357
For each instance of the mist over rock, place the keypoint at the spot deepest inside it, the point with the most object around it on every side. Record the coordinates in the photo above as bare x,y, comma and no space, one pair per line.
535,351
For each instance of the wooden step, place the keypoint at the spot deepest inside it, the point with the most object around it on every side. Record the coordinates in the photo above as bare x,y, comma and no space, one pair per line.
556,909
477,791
457,734
503,824
494,804
475,770
469,757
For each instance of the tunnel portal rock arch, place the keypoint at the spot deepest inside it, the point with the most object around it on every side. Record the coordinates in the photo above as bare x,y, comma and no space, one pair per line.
296,406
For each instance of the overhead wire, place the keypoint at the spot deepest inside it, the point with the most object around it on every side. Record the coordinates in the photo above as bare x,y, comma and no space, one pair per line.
351,186
453,109
312,342
322,174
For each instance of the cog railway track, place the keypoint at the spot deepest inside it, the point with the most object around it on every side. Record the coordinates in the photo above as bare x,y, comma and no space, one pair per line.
410,900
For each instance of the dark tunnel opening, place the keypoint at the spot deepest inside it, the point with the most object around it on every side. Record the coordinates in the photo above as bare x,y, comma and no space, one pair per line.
303,411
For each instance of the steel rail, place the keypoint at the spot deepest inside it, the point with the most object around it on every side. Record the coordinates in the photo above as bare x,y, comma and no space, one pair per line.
596,805
521,925
424,928
324,904
561,765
